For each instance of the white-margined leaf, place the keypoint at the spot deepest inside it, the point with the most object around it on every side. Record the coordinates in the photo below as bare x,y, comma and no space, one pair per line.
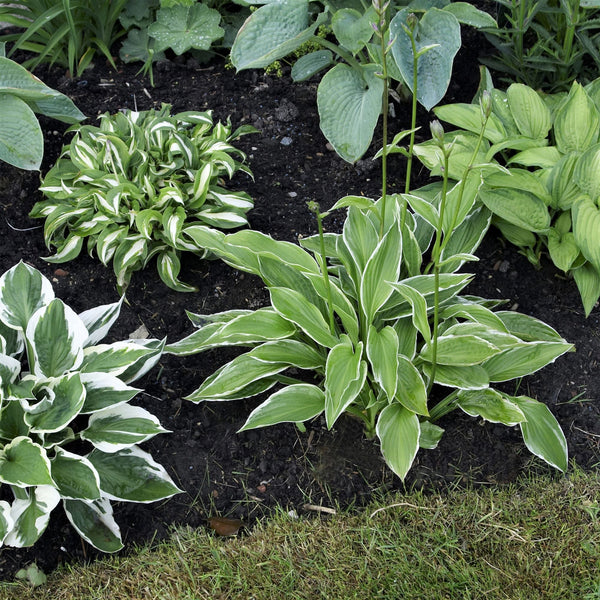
528,328
99,320
104,390
474,377
411,391
6,521
491,406
24,463
382,352
168,266
430,435
293,404
74,476
132,474
459,350
418,306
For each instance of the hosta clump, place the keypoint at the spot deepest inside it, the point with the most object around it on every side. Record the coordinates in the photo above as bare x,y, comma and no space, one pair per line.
67,430
357,315
545,192
131,184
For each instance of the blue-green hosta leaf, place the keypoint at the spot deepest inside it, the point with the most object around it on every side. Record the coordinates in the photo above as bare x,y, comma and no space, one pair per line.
104,390
577,122
469,15
95,523
56,335
272,32
345,375
586,229
23,290
293,404
382,352
528,328
587,279
542,433
518,207
120,427
473,377
353,29
30,516
62,402
132,474
349,104
184,27
381,273
310,64
529,111
99,320
294,307
24,463
411,391
434,68
491,406
459,350
21,139
74,476
524,359
398,430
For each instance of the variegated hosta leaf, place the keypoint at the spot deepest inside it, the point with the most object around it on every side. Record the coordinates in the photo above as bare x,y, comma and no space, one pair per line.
6,521
473,377
398,430
74,476
382,351
30,516
95,523
56,335
131,474
104,390
576,122
23,290
491,406
24,463
99,320
293,404
459,350
120,427
411,391
168,266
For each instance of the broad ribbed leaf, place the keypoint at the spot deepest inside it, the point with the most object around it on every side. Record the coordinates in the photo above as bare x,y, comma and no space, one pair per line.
292,404
352,28
586,229
399,431
310,64
518,207
132,475
491,406
587,279
23,290
74,476
586,173
542,433
21,139
24,463
95,523
529,111
577,122
563,249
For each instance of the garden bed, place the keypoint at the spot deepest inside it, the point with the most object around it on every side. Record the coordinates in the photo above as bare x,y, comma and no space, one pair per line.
243,475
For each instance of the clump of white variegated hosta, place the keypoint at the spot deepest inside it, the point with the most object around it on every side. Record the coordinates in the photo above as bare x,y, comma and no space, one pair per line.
129,186
62,391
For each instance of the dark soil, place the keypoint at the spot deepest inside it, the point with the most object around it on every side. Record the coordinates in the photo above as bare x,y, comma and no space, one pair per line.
244,475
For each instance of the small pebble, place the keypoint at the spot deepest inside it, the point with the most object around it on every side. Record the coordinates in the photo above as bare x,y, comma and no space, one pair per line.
286,141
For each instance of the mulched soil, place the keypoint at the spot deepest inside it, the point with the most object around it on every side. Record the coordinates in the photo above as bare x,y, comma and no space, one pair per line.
245,475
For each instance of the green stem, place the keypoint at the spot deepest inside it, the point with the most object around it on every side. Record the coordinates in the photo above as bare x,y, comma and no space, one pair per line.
337,50
442,408
325,271
386,107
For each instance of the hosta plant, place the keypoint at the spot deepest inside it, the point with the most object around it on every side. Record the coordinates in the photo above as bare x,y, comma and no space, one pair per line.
67,431
130,185
545,194
349,330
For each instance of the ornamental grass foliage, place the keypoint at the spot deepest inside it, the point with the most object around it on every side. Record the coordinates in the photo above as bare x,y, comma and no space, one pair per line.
67,431
129,186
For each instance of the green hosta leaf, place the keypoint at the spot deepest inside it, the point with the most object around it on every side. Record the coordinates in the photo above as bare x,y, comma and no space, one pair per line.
21,139
491,406
294,307
524,359
30,516
382,351
586,172
292,352
56,335
587,279
529,329
23,290
529,111
24,463
359,240
459,350
434,68
310,64
514,234
469,15
542,433
563,249
272,32
132,475
345,374
352,28
430,435
292,404
542,157
398,430
12,421
474,377
381,272
349,103
104,390
419,308
411,391
423,208
577,122
520,179
517,207
64,398
562,182
74,476
469,117
120,427
95,523
99,320
184,27
586,229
